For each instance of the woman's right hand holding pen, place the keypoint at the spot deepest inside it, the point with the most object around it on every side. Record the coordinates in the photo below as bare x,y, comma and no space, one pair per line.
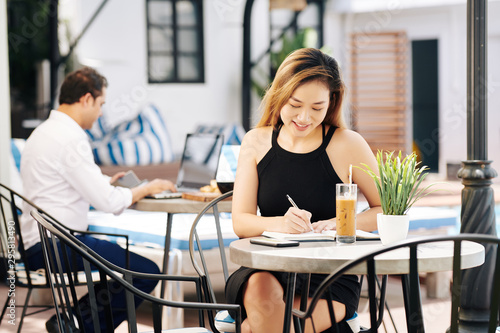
297,221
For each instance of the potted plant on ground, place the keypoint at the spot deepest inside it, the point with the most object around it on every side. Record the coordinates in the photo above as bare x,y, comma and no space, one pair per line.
398,185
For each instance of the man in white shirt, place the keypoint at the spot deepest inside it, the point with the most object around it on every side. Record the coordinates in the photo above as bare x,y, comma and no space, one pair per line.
60,176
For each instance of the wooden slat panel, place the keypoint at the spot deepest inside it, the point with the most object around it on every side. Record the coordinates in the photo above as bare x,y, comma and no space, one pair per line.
360,108
388,99
369,125
362,91
378,88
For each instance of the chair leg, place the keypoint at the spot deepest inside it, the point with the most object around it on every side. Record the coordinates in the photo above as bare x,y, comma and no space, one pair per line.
390,317
25,308
4,308
383,302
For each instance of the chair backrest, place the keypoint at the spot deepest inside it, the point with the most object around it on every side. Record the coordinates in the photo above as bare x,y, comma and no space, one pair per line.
12,249
209,222
412,281
197,247
12,206
69,310
13,252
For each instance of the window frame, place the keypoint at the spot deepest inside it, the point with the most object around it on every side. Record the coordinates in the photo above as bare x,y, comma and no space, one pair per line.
198,54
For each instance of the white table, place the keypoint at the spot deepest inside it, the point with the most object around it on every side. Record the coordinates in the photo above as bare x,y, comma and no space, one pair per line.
326,257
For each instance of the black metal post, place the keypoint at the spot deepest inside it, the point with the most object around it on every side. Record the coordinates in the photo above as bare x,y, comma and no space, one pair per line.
63,59
55,57
247,66
54,51
478,213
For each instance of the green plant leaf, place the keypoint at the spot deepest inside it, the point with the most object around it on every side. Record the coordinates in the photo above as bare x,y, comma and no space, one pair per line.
398,182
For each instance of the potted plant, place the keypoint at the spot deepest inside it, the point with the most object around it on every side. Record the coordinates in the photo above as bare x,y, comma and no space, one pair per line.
398,185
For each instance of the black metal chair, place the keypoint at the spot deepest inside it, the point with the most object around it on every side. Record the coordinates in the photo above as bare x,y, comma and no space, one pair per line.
13,252
198,252
69,310
412,299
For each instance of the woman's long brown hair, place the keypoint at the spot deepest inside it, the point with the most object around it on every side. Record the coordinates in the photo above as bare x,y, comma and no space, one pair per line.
301,66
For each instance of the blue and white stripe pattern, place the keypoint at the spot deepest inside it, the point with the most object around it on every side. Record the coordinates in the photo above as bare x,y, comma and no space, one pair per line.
224,322
233,133
143,140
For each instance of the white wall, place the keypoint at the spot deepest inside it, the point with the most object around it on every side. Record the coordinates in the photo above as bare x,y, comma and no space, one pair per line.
116,45
447,24
4,98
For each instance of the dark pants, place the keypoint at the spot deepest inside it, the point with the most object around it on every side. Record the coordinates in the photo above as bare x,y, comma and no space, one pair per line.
116,255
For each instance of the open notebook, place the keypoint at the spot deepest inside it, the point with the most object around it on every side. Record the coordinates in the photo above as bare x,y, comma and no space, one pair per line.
327,235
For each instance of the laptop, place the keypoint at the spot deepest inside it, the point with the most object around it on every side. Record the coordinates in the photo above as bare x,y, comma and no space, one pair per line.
199,162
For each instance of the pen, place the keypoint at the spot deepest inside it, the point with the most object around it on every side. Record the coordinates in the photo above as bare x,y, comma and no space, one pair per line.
295,205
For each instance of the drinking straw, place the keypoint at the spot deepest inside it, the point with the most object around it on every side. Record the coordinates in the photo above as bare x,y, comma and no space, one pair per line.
350,174
350,179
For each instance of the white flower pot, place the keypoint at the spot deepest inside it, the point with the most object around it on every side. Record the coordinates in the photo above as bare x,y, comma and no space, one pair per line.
392,228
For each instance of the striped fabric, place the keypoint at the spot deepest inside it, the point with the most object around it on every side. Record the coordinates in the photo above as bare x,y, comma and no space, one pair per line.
16,149
233,133
143,140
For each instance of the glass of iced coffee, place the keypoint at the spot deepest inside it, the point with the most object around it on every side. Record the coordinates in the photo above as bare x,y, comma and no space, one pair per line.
346,213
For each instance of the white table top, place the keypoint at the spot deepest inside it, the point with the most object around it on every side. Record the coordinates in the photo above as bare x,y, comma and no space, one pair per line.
178,205
325,257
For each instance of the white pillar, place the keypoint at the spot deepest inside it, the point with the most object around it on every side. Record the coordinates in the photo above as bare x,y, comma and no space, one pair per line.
4,97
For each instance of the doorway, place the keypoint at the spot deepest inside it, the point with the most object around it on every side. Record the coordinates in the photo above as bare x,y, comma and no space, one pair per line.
426,102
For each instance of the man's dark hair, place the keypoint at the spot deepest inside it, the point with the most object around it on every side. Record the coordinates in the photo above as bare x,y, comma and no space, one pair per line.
80,82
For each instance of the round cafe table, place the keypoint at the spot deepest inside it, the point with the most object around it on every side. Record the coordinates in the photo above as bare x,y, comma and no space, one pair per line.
326,257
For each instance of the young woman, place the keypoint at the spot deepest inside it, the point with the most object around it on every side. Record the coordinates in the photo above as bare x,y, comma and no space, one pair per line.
300,147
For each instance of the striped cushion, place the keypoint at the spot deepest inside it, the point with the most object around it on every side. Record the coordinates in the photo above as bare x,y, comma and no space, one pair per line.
224,322
185,330
38,277
354,323
143,140
16,148
233,133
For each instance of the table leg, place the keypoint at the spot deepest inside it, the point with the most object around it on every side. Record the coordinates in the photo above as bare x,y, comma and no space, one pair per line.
300,324
290,293
168,234
413,304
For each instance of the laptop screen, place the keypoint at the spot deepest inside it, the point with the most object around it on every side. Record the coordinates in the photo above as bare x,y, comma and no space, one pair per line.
200,159
226,172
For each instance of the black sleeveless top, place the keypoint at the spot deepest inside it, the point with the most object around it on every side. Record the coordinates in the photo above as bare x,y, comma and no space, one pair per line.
308,178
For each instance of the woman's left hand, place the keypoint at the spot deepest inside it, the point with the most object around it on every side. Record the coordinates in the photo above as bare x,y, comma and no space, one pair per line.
324,225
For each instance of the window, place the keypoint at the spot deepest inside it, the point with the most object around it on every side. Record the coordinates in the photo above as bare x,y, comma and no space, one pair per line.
175,41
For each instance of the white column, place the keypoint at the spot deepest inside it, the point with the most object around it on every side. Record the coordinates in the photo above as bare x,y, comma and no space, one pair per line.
4,97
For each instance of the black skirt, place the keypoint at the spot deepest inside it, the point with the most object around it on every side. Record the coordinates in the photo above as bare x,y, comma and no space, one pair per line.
345,290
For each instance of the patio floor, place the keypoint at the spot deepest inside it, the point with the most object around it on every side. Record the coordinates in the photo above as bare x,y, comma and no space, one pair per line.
436,313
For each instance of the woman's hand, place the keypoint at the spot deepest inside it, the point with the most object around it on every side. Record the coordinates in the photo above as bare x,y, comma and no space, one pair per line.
325,225
297,221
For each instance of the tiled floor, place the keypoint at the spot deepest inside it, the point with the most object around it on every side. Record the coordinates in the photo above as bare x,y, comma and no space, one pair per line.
436,313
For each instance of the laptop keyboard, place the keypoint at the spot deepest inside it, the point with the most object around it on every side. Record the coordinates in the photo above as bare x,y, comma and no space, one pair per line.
166,195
